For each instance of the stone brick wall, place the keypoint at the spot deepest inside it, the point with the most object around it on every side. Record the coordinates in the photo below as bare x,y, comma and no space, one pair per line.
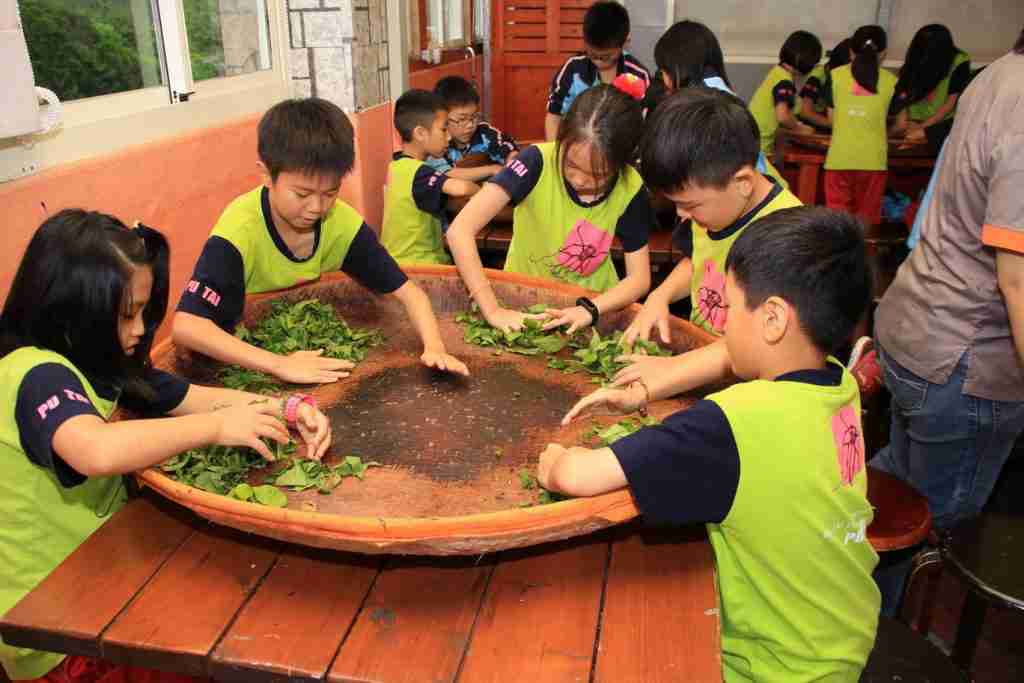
339,51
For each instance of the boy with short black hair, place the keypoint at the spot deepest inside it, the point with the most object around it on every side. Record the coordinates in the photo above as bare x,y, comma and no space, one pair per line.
773,465
470,135
414,220
605,33
773,104
286,232
700,150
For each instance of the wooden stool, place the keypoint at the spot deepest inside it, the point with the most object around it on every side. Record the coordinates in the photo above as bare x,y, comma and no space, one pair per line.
900,654
985,553
902,519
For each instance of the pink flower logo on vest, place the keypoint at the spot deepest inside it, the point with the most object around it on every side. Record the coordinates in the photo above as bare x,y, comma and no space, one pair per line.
849,443
585,248
711,302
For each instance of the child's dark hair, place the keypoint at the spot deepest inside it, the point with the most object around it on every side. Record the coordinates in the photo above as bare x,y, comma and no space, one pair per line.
606,25
607,119
311,136
456,91
813,258
839,55
929,58
700,136
74,285
687,52
867,43
802,51
416,108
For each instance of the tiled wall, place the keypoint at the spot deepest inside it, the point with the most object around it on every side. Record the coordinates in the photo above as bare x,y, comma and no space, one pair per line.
339,51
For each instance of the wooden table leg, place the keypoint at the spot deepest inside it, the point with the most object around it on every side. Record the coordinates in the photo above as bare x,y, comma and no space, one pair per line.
807,183
972,617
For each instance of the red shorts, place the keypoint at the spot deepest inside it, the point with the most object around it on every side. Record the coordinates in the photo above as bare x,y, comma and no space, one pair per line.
857,192
75,669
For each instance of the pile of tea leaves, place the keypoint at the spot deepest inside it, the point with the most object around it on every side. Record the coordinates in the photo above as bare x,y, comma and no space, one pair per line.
532,340
599,355
306,325
222,469
302,475
599,435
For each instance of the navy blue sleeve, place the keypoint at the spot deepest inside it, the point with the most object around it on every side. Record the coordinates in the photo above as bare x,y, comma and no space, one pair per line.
784,92
960,78
520,175
169,391
685,470
370,264
560,86
217,288
812,89
682,237
426,189
636,222
50,395
499,145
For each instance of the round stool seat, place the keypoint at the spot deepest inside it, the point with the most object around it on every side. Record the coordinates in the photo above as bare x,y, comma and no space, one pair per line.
902,519
902,655
988,552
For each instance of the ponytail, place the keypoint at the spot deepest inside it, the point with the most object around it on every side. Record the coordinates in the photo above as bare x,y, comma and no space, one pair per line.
867,43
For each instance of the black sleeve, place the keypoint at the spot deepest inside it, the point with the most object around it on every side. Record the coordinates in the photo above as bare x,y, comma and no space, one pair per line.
370,264
427,189
635,222
217,288
499,145
521,174
830,100
900,101
812,89
169,392
560,85
685,470
49,395
784,92
960,78
682,237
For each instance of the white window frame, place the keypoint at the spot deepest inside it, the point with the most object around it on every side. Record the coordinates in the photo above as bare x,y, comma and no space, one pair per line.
106,123
467,12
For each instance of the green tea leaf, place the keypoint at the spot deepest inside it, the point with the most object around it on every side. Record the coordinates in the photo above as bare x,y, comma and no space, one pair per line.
241,492
270,496
527,480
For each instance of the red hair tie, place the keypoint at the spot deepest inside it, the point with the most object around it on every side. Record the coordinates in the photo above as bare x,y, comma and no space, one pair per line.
631,85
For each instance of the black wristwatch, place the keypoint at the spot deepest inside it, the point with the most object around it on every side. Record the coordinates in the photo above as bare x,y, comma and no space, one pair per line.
590,307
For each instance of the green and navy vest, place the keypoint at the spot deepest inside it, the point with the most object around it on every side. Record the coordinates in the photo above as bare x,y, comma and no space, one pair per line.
43,522
762,106
409,234
924,109
798,602
556,238
860,139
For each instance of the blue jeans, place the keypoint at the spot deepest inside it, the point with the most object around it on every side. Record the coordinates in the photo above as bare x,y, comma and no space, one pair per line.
947,445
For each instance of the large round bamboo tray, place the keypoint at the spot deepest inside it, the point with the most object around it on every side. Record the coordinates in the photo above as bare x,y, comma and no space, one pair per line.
451,447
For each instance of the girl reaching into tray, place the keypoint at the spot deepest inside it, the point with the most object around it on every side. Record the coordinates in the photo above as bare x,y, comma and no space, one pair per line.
75,336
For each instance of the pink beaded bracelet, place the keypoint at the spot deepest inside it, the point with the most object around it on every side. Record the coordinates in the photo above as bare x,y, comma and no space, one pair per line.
291,407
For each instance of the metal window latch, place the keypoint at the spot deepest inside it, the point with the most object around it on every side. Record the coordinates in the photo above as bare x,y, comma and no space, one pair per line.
470,52
181,96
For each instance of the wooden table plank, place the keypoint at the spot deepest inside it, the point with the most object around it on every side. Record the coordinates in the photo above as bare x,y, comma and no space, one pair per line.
660,620
416,623
539,617
292,626
175,621
72,606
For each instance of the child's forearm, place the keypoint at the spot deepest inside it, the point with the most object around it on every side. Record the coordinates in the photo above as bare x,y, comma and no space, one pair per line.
474,174
462,241
808,114
551,123
677,285
421,314
458,187
629,290
203,399
202,335
586,472
707,365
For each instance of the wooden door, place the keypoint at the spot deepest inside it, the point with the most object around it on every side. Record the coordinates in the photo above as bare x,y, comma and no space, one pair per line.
530,40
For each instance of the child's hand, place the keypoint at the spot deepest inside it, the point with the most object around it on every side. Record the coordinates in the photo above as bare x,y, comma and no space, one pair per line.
315,430
310,367
577,318
507,320
548,459
621,400
643,368
655,313
245,425
444,361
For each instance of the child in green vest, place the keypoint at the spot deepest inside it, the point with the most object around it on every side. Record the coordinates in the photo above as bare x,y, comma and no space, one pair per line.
773,465
934,74
287,232
773,104
700,150
857,163
812,107
414,206
604,58
75,335
572,199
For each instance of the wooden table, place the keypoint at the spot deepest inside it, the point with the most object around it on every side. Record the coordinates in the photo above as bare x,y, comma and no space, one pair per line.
910,164
157,587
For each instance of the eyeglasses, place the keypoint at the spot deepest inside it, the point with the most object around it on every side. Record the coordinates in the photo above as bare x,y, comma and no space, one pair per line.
602,57
473,120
